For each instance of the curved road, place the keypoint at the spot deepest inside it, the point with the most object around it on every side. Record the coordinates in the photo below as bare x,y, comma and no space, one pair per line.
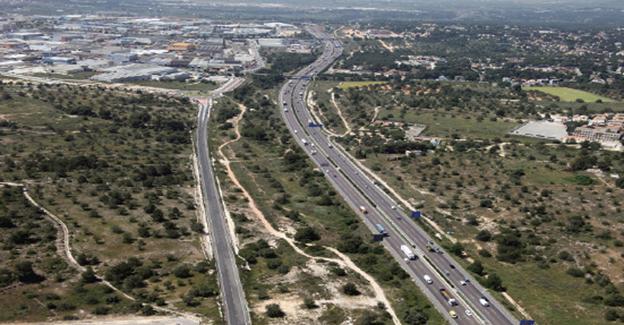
359,190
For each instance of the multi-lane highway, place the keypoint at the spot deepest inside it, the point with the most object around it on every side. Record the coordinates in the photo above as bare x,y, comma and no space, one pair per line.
377,208
235,308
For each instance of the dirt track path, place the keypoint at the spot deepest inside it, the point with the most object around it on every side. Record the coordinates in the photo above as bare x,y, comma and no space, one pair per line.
64,245
343,260
339,111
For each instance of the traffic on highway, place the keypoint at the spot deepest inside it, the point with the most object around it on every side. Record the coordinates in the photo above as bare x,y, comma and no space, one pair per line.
452,290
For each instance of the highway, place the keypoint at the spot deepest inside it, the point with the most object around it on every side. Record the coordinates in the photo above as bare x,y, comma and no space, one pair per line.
359,190
235,309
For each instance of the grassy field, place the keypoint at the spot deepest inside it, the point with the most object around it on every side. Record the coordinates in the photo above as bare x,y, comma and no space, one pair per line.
440,124
357,84
179,85
115,167
463,181
291,194
567,94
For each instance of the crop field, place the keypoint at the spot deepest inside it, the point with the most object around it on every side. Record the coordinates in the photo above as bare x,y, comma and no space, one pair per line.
567,94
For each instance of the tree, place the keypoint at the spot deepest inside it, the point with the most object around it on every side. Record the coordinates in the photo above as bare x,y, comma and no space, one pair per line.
274,311
494,282
350,289
476,267
457,249
484,235
182,271
306,235
611,315
88,276
26,274
415,316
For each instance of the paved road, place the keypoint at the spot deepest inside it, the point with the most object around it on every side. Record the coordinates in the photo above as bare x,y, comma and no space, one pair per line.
235,307
360,191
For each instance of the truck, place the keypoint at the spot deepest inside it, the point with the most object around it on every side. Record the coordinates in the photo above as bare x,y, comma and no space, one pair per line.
363,209
408,252
451,301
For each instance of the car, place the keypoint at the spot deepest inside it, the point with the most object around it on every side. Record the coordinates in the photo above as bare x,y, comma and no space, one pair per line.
453,314
462,282
393,207
427,279
468,313
296,131
484,302
285,109
452,266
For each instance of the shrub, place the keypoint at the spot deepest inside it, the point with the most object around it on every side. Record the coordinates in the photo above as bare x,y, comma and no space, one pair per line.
274,311
183,271
484,235
575,272
306,235
350,289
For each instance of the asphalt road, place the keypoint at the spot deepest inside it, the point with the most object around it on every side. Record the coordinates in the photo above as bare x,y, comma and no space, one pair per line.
235,309
359,190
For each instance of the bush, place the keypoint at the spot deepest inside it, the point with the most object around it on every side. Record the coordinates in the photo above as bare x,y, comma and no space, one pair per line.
183,271
306,235
484,235
611,315
101,310
88,276
566,256
494,282
476,267
274,311
350,289
457,249
614,300
309,303
575,272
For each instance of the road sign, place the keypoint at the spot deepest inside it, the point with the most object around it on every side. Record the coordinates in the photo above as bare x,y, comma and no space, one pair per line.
416,214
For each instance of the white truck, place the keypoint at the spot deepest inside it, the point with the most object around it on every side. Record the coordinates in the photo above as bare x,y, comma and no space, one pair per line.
408,252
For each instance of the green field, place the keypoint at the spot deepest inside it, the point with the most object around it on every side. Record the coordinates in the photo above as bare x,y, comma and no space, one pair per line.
446,125
355,84
569,94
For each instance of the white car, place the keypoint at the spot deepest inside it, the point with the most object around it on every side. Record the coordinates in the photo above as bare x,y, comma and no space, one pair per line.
484,302
296,131
462,282
285,109
427,279
393,207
